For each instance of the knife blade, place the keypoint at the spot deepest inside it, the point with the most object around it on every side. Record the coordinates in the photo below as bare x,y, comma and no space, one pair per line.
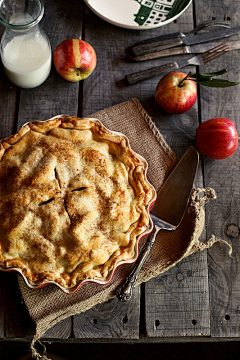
205,25
167,213
184,40
183,49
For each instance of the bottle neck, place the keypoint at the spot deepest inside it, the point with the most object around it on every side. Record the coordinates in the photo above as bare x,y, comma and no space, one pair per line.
10,33
21,19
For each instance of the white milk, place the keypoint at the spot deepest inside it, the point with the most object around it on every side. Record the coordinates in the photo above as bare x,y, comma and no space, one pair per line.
26,62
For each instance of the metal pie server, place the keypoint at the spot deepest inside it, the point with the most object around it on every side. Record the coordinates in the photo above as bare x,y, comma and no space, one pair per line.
167,213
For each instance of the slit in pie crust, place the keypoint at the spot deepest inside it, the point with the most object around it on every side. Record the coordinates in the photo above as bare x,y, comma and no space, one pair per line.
74,199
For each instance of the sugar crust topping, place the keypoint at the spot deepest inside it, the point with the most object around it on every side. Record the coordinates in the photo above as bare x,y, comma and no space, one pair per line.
73,200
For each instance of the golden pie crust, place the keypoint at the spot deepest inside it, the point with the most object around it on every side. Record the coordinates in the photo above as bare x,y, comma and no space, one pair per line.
73,200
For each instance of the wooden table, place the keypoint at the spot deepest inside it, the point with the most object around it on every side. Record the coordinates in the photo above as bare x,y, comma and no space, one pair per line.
199,298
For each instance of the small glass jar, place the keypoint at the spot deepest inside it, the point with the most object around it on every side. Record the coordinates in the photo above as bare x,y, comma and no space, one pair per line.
25,48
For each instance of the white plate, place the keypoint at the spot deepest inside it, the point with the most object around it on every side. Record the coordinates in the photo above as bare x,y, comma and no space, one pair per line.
138,14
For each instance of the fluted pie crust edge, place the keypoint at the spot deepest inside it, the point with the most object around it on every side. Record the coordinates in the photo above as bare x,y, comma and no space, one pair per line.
74,200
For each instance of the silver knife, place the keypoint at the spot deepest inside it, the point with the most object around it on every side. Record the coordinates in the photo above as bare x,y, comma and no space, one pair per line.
192,49
175,65
185,40
205,25
168,211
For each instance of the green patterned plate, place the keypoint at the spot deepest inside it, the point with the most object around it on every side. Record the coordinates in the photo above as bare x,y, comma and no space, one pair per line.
138,14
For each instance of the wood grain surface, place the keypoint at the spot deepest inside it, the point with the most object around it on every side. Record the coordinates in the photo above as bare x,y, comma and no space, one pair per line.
113,319
223,176
198,298
171,308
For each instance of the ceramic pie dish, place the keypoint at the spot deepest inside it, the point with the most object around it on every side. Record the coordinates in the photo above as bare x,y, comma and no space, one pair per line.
74,202
138,14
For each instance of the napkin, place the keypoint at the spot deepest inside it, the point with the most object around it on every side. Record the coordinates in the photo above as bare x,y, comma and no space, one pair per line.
170,247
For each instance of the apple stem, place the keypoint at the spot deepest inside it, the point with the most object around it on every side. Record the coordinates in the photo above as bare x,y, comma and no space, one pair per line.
78,72
182,81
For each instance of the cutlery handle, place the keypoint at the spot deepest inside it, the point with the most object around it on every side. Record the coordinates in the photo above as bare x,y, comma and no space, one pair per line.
149,73
124,292
157,45
163,53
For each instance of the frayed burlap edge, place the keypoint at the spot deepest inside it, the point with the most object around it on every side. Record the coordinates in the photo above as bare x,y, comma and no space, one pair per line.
196,245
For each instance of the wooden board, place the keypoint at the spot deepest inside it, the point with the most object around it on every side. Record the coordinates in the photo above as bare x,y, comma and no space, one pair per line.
9,105
177,302
174,306
8,114
223,176
2,304
61,330
18,322
113,319
56,96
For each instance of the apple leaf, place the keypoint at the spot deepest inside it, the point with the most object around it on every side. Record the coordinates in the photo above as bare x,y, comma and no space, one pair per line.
199,78
207,75
220,83
207,79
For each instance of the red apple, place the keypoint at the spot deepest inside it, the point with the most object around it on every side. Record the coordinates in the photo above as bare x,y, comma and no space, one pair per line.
74,59
217,138
175,95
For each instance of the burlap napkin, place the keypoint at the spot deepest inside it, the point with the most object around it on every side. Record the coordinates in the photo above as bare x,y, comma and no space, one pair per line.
171,246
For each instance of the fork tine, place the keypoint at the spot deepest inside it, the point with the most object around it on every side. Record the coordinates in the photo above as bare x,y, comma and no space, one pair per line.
209,24
215,52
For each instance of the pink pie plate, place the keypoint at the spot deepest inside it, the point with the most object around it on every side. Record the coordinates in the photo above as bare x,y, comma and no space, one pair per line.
34,285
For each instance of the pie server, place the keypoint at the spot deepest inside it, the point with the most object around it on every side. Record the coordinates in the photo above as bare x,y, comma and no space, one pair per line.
167,213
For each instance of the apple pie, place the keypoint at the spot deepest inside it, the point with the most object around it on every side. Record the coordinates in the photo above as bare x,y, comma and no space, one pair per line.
74,200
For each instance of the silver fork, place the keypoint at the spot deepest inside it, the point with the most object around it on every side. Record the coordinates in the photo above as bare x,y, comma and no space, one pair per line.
200,59
209,24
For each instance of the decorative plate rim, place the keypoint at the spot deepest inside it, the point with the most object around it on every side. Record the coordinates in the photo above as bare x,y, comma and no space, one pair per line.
72,290
137,27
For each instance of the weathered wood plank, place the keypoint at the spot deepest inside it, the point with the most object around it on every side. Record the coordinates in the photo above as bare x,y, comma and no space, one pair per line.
223,176
113,319
8,112
107,86
170,299
2,304
9,102
177,302
61,330
18,322
55,96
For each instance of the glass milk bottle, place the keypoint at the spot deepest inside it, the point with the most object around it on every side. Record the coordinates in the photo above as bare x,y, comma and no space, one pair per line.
25,48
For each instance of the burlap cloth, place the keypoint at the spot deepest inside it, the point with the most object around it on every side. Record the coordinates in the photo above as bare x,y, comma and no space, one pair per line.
49,305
